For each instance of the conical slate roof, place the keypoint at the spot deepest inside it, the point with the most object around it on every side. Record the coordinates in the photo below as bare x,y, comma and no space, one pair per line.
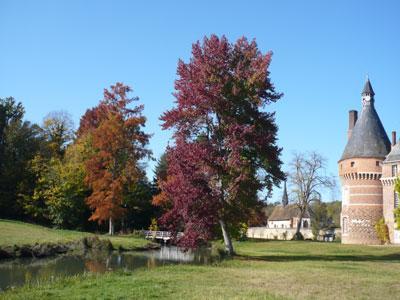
394,155
368,138
368,88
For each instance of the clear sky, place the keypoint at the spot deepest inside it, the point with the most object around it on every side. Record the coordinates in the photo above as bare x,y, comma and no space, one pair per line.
59,55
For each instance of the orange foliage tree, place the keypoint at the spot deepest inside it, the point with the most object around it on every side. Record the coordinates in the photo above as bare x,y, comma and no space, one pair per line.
118,142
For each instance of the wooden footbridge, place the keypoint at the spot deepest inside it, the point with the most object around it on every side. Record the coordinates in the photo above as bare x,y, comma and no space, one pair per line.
160,235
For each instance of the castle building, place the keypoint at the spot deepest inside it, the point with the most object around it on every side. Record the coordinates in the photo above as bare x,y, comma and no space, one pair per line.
367,171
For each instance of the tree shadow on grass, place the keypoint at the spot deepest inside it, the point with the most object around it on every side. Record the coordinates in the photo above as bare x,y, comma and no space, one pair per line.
293,258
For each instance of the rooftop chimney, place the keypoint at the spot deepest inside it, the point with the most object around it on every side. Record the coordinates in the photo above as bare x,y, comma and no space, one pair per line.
353,116
394,138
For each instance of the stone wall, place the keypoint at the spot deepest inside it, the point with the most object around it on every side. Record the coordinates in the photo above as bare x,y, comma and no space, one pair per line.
276,233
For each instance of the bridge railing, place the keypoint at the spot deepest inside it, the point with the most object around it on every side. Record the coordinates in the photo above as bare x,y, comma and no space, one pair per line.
165,235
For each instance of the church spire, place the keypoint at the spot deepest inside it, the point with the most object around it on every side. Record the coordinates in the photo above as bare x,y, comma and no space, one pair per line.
285,198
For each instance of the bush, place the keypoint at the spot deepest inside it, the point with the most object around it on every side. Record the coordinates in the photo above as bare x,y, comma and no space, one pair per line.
298,237
397,217
382,231
153,226
242,234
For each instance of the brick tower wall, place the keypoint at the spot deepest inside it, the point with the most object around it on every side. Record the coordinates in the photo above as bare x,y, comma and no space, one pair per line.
362,199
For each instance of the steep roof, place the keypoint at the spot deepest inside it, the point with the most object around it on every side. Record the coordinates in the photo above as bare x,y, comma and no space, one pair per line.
394,155
368,138
282,213
285,198
368,88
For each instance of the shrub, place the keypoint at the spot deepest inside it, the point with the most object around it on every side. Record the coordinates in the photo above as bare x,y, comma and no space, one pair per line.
242,232
153,226
298,237
382,231
397,217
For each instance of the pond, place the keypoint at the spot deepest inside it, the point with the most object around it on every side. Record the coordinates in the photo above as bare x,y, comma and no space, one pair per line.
20,271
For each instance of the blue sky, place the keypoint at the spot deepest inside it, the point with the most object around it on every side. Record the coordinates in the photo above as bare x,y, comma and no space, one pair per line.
61,54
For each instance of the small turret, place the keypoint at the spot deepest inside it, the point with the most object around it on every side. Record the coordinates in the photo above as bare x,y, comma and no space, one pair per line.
368,94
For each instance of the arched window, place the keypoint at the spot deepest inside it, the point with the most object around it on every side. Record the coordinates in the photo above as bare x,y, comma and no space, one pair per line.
305,224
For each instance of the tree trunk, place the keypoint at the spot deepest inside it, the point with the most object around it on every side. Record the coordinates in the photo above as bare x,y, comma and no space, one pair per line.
299,225
110,226
227,238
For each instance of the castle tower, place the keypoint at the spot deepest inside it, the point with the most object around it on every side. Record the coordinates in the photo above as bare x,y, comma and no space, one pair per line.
360,171
390,172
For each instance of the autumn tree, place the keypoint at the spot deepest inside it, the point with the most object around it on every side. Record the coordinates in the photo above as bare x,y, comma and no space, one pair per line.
119,144
225,148
308,177
58,129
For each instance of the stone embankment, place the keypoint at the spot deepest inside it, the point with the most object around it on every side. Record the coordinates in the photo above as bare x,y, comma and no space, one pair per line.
51,249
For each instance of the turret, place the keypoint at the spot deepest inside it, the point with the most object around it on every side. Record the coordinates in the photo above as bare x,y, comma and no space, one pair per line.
360,171
368,94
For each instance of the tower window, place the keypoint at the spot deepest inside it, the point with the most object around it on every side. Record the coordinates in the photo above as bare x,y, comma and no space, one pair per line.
394,170
396,199
352,164
377,163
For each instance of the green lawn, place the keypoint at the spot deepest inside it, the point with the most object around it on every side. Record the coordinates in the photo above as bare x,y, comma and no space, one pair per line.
19,233
262,270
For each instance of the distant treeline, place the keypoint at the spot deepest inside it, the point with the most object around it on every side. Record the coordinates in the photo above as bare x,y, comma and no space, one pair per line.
48,172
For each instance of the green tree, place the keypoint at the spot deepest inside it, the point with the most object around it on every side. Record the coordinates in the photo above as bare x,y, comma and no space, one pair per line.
333,210
66,200
161,169
59,194
138,202
397,210
319,217
19,142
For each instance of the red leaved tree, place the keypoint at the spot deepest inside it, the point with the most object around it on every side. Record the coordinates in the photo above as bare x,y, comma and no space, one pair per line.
225,148
114,132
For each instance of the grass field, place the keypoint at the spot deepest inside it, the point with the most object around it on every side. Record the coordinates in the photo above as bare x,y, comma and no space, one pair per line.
261,270
19,233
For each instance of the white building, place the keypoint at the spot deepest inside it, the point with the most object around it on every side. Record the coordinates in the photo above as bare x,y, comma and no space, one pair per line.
287,215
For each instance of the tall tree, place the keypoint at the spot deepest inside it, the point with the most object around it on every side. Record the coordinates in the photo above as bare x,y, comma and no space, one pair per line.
19,142
307,178
119,144
319,217
60,192
225,141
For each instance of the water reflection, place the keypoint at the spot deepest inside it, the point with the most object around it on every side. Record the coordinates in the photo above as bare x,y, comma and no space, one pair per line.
20,271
